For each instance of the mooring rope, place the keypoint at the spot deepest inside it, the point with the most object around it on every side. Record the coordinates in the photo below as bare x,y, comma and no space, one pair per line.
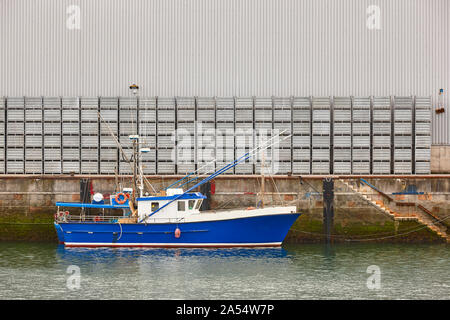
369,239
120,231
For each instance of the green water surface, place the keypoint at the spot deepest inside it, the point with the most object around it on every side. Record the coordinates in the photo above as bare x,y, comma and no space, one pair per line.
46,271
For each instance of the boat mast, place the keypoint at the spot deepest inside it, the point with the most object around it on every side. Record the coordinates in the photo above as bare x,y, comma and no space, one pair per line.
135,138
116,179
135,164
141,181
134,159
263,179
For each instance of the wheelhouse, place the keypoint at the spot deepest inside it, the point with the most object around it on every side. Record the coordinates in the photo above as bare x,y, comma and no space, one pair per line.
186,204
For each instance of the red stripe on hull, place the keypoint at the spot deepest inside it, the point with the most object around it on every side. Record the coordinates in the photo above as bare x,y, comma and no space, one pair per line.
171,246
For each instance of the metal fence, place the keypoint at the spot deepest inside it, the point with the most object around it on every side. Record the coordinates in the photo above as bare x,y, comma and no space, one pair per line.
320,135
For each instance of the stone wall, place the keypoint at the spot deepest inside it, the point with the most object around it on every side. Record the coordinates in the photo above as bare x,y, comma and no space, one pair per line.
440,159
27,205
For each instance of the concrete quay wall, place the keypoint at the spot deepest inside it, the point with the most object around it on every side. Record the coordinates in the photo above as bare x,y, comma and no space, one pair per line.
27,204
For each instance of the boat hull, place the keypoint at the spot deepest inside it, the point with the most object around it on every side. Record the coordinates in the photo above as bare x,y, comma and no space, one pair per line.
257,231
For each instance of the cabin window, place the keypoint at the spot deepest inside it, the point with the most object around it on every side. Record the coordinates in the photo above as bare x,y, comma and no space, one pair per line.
191,204
155,206
199,203
181,205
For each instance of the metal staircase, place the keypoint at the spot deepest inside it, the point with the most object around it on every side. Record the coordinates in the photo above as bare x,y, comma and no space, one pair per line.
393,209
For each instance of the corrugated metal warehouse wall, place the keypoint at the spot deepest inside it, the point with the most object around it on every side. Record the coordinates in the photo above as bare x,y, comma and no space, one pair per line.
227,48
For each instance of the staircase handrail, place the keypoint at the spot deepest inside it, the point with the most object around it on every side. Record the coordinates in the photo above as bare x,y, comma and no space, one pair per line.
431,214
376,189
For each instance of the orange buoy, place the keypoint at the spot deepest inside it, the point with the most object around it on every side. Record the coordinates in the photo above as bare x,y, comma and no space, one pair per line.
118,198
251,208
177,233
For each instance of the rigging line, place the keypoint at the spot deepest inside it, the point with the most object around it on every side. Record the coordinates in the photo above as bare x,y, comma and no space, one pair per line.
145,178
148,182
86,185
302,179
212,176
209,178
276,188
121,149
259,195
162,181
223,205
141,172
116,140
196,171
254,150
251,152
235,163
191,173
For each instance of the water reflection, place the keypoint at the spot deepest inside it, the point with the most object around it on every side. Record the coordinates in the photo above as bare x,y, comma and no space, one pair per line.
292,272
115,254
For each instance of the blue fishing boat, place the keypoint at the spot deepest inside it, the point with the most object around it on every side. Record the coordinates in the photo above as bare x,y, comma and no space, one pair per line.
171,218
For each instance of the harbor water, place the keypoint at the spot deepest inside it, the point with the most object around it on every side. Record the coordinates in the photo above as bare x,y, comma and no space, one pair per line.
344,271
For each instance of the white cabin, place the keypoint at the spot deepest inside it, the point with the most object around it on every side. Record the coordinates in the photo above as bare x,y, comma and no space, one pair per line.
185,205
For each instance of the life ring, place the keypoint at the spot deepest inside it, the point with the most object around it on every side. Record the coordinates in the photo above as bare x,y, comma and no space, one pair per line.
124,199
97,219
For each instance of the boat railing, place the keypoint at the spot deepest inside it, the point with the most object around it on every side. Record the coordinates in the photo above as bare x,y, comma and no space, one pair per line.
87,218
164,220
112,219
